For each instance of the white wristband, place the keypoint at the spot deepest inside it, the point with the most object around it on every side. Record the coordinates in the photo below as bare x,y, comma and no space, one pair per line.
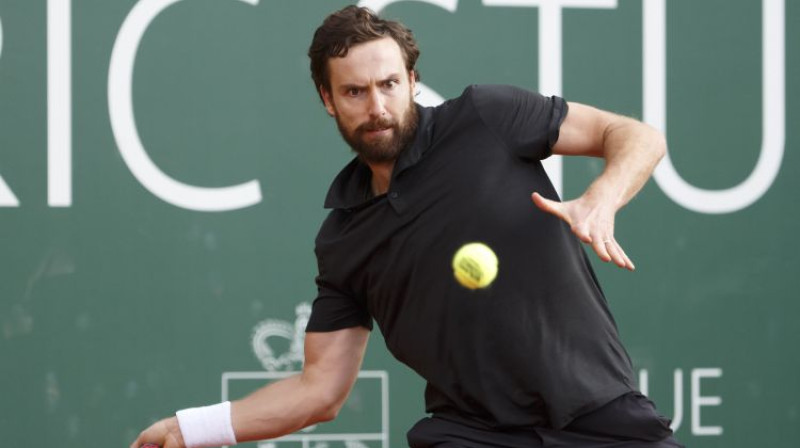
208,426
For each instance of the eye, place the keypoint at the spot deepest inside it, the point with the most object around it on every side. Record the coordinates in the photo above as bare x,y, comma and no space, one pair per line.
353,91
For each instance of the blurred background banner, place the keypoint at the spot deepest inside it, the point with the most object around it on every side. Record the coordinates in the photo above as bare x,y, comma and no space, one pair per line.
163,165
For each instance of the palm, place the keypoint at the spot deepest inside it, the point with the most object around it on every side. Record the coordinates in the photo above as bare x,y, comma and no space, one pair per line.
592,222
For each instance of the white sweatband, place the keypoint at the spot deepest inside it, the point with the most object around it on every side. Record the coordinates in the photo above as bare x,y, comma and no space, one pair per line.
208,426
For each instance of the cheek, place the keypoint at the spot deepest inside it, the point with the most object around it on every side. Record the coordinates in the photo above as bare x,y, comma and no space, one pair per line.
346,111
399,111
348,120
400,105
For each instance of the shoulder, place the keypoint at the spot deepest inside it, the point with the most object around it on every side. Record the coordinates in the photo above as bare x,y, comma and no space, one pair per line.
498,95
497,91
484,93
474,98
331,228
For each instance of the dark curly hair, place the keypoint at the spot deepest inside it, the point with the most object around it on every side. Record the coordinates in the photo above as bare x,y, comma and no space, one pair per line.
351,26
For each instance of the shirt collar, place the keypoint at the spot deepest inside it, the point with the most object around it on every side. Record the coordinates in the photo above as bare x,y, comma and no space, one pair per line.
351,188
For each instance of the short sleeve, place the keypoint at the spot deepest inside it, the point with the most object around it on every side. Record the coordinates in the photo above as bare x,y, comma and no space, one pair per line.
331,313
527,123
333,310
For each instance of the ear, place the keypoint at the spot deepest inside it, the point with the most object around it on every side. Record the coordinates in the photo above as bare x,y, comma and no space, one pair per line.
412,80
328,100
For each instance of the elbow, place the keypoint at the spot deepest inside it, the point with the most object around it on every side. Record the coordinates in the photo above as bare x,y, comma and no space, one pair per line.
327,415
661,145
329,409
658,144
329,412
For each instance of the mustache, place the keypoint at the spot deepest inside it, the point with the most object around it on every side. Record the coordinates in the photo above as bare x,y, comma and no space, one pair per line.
376,125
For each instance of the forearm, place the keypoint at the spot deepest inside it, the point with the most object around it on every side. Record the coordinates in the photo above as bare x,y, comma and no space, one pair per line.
332,362
280,408
631,151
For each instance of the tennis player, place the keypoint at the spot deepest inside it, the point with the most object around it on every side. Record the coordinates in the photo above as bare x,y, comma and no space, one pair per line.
533,360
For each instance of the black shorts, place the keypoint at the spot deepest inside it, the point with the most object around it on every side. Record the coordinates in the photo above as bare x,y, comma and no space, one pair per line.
629,421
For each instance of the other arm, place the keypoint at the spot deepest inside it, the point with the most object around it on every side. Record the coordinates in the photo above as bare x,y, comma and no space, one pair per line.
332,362
631,150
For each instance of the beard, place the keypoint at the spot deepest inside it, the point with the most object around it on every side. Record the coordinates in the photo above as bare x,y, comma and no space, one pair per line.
382,149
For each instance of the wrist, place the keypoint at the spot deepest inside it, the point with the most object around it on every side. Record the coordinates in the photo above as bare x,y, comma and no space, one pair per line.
207,426
173,431
604,192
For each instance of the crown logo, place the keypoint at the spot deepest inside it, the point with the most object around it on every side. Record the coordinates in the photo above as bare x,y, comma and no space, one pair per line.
272,334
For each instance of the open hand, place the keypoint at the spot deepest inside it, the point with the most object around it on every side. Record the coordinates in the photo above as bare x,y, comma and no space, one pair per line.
592,222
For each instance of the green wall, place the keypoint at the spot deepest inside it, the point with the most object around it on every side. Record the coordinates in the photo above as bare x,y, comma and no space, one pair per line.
132,285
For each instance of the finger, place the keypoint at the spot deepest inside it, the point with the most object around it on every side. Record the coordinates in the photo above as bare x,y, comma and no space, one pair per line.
552,207
141,444
599,246
146,437
628,263
583,233
137,443
615,252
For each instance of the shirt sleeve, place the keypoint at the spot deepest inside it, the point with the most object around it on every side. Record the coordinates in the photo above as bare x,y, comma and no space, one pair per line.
332,310
331,313
527,123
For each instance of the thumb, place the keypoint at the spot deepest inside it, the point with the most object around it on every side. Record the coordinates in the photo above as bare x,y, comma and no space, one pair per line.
549,206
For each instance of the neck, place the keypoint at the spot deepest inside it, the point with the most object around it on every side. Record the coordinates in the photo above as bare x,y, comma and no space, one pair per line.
381,176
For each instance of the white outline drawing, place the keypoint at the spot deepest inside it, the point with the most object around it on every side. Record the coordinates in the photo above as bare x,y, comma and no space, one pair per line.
290,362
350,439
274,328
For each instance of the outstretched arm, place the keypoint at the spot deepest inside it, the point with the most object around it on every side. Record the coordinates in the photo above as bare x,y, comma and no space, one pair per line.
631,150
331,366
332,362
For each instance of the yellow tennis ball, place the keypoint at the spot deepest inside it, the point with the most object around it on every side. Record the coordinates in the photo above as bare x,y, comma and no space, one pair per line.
475,265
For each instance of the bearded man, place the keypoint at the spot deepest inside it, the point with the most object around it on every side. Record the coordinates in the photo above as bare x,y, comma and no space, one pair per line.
535,359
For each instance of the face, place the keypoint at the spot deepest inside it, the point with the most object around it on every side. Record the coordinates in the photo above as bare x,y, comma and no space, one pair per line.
371,97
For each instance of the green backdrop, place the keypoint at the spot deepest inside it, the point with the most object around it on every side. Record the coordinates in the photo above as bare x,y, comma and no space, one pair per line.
122,300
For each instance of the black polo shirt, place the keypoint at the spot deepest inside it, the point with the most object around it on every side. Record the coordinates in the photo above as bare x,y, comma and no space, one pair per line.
536,348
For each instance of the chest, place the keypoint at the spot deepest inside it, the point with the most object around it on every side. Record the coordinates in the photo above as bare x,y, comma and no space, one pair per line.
396,252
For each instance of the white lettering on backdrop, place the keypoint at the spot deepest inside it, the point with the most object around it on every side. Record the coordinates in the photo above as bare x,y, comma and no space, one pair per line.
7,197
120,106
59,105
696,399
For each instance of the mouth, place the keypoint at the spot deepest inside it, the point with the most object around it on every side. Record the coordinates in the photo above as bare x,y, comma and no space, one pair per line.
377,127
377,132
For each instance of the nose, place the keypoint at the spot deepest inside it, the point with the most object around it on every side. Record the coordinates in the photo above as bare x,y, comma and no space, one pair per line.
377,107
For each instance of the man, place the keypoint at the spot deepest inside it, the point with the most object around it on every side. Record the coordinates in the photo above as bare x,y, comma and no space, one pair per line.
532,361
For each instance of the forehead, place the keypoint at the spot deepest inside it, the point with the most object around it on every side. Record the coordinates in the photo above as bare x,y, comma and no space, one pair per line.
370,61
